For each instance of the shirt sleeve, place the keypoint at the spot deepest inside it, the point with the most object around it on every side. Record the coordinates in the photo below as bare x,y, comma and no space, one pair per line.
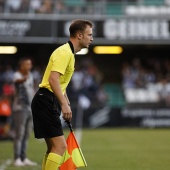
60,60
16,77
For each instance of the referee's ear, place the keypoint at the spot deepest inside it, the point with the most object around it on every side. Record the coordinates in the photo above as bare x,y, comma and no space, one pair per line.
79,35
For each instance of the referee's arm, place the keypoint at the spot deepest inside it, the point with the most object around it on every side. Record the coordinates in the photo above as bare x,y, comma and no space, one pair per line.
68,101
55,86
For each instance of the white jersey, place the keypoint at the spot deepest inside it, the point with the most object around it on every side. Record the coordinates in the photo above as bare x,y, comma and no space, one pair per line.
24,92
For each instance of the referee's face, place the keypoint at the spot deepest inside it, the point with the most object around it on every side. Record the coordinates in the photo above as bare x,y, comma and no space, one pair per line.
87,37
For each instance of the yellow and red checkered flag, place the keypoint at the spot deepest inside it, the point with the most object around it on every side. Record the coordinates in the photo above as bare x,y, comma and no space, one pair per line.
73,157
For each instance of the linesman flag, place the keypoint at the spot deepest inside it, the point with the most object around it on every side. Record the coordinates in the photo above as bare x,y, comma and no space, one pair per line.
73,157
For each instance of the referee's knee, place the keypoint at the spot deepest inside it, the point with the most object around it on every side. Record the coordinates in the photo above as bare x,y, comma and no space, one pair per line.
60,149
64,148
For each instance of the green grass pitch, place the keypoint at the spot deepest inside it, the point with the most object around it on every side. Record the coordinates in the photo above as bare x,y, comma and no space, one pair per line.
109,149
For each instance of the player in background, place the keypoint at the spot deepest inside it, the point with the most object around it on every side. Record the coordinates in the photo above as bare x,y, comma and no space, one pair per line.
22,116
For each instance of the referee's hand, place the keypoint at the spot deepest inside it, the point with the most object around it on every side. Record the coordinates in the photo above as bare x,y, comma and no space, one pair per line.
66,111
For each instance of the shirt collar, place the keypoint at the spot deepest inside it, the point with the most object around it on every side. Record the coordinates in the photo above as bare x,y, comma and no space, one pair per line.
71,46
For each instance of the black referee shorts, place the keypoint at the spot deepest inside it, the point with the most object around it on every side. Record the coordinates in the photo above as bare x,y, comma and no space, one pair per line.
46,115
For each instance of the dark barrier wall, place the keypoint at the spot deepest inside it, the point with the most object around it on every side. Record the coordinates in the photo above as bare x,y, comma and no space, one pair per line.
106,31
26,31
123,117
146,117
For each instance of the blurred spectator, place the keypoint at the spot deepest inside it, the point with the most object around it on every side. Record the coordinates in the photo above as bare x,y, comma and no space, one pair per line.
77,79
25,6
46,7
35,5
151,75
128,77
140,78
8,91
13,6
90,86
8,74
59,7
87,81
2,5
7,79
167,2
1,79
37,77
102,96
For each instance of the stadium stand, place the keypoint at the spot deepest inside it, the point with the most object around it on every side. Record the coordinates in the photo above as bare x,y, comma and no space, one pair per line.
102,7
114,8
147,81
115,95
153,2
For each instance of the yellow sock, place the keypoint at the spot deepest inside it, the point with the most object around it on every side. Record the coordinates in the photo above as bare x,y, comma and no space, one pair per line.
53,161
44,161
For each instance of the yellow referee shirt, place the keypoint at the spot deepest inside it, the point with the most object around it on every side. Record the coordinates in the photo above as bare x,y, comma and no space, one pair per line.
62,60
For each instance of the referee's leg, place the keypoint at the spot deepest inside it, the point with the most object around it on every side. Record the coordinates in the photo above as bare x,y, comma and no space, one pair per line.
55,149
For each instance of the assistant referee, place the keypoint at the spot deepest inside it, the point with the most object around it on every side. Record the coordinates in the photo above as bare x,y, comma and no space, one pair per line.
51,98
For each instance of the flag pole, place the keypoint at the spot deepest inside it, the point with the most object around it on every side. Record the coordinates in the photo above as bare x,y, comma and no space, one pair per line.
69,125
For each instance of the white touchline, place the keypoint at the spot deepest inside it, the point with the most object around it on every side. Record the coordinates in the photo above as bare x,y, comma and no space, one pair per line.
79,123
5,164
78,133
83,104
